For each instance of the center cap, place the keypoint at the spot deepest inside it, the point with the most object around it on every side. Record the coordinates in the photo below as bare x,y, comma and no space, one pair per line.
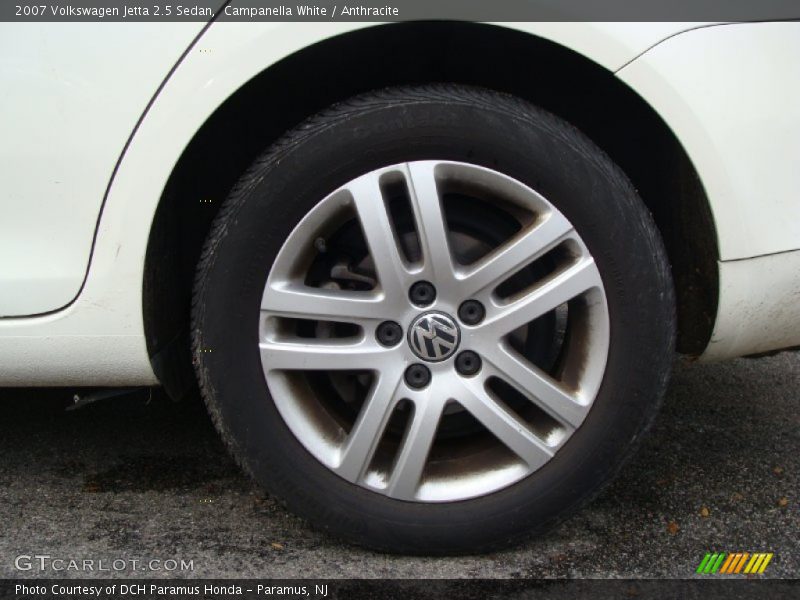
434,336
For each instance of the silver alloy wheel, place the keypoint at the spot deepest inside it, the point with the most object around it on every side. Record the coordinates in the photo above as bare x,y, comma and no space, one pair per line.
420,467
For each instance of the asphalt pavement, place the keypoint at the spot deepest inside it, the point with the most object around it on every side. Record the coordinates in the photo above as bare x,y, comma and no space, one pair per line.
138,478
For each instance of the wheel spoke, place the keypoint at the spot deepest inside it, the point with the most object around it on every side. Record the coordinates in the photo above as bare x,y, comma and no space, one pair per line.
379,233
574,281
369,427
538,387
416,446
315,355
503,424
430,222
516,254
320,304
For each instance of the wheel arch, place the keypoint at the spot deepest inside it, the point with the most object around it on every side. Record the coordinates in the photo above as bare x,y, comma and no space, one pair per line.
548,74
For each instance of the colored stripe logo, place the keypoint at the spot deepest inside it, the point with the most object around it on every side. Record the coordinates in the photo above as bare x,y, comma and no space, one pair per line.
734,563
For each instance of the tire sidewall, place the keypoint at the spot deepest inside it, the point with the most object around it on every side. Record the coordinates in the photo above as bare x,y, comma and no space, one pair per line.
477,127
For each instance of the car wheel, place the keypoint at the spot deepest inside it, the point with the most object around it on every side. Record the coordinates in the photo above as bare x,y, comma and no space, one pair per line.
433,319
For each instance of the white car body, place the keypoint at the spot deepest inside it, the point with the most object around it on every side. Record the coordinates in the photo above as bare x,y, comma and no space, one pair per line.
94,118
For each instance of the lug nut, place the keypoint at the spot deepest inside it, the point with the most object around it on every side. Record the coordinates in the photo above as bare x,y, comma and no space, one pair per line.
471,312
422,293
468,363
418,376
389,333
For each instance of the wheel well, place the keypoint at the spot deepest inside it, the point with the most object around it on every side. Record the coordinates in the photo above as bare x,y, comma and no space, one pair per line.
549,75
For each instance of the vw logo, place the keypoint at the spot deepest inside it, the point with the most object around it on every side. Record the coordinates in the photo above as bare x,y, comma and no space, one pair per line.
434,336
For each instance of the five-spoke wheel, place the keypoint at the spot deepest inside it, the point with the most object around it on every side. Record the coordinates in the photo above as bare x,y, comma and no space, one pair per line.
458,354
440,318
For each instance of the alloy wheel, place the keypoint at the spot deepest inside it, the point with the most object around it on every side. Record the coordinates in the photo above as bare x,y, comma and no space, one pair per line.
503,392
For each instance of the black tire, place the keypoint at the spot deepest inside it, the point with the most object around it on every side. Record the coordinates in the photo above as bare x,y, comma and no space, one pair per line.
433,122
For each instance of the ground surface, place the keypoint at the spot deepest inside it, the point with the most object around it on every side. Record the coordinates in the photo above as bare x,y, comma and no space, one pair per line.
133,479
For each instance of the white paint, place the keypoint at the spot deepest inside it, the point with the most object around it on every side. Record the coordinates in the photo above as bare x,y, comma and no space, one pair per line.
70,95
99,338
759,307
731,95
